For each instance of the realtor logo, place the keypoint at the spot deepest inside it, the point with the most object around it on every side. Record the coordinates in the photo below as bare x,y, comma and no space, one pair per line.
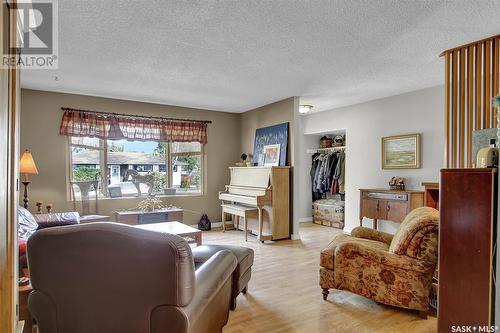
36,46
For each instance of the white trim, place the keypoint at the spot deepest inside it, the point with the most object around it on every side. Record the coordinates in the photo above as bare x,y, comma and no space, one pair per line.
219,224
347,231
305,219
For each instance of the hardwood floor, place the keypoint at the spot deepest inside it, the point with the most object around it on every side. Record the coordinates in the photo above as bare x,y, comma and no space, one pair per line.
284,295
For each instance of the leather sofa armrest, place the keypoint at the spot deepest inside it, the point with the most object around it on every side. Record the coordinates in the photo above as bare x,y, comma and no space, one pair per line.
210,278
43,309
349,250
56,219
368,233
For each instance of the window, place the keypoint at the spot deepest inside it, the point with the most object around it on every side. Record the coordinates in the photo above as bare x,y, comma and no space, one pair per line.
86,157
186,165
118,163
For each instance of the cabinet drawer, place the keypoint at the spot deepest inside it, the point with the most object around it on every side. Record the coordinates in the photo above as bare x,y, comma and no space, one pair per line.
370,208
396,210
387,196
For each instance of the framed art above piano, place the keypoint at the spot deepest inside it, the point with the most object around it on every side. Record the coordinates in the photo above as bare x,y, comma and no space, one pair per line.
271,135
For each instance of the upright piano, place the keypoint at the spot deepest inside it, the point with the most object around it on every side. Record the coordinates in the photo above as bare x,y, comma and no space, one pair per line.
267,189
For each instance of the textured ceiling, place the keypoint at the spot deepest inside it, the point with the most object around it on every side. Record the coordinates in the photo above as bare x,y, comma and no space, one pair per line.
238,55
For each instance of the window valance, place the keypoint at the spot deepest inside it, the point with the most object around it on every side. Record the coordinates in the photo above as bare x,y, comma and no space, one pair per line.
110,126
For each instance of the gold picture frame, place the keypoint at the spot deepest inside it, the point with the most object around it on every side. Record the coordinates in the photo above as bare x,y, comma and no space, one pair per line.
401,151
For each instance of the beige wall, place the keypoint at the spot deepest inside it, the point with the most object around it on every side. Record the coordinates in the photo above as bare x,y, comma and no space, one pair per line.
283,111
418,111
40,119
267,115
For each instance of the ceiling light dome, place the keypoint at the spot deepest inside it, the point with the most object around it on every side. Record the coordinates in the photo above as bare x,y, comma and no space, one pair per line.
305,108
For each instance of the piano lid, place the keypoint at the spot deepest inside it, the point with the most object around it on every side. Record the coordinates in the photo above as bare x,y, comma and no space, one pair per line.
251,176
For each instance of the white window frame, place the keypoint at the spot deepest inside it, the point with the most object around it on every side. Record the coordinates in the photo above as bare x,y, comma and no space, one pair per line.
103,165
169,156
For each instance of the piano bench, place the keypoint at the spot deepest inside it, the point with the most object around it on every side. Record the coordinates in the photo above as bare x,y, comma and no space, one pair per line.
237,210
242,272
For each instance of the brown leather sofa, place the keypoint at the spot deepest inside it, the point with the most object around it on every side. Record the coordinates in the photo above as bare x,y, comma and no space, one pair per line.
28,224
108,277
243,271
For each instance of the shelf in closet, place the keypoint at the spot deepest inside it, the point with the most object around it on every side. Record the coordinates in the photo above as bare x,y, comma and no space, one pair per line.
316,150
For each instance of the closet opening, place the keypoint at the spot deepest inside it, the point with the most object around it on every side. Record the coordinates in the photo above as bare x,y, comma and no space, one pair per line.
328,179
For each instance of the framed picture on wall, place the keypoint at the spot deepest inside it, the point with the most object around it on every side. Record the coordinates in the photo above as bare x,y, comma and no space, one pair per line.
271,135
272,155
401,151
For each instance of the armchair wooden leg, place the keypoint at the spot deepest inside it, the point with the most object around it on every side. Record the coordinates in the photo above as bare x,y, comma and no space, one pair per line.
423,314
325,293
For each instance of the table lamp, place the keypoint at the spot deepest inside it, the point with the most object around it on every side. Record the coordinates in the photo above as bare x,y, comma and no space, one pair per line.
27,166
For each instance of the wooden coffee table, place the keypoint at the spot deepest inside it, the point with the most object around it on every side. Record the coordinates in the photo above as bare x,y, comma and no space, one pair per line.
190,234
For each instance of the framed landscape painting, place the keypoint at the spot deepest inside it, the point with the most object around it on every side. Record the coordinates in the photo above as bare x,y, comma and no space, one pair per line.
401,152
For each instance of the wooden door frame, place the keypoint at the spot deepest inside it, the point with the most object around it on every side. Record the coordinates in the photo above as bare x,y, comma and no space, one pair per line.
9,159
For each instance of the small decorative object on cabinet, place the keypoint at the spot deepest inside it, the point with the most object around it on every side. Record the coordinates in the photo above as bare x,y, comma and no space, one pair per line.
397,183
467,242
389,205
487,157
401,152
329,212
39,205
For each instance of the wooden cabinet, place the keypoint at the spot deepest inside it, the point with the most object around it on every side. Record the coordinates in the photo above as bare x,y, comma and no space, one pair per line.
467,241
390,205
431,194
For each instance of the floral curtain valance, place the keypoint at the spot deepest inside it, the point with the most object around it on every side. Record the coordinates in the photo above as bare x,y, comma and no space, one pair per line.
118,127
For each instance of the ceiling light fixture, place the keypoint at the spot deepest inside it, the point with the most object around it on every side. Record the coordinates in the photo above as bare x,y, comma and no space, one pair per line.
305,108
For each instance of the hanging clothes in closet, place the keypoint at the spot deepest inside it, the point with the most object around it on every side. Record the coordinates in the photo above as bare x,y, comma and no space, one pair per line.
327,174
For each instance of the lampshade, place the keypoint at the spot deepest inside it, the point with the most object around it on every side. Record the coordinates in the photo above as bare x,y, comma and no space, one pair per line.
27,165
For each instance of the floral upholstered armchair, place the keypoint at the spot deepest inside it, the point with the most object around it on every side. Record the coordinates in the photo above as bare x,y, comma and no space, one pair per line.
395,270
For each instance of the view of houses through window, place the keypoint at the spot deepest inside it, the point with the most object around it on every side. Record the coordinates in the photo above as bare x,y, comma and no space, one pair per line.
128,168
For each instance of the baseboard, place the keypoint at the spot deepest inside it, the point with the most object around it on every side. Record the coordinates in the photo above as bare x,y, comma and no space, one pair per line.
347,231
219,224
305,219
